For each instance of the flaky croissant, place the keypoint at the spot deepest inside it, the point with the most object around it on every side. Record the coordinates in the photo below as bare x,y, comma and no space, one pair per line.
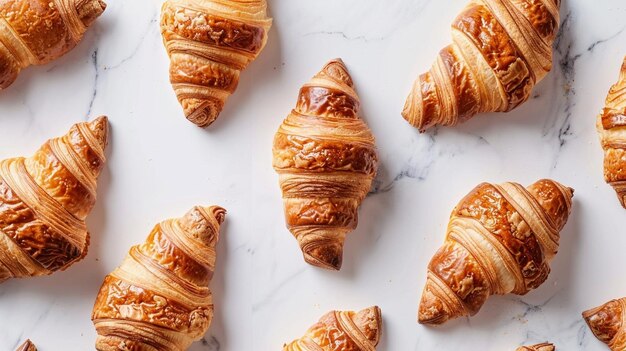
158,298
539,347
342,331
27,346
611,125
35,32
326,159
607,322
501,239
45,199
209,43
500,50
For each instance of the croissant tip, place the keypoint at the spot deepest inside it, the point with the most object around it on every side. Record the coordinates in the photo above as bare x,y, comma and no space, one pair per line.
370,322
100,128
27,346
202,112
218,212
324,256
337,69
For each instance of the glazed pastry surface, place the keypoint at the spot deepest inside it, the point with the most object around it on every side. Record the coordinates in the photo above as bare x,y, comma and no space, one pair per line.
158,298
500,49
539,347
27,346
326,159
35,32
342,331
44,200
611,125
209,43
500,239
607,323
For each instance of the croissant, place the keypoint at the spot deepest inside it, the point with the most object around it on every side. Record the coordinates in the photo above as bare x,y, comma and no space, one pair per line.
342,331
209,43
45,199
35,32
500,50
612,128
607,323
326,159
539,347
158,298
501,239
27,346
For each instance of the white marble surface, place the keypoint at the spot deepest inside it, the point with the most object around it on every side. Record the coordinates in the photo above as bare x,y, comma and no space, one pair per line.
160,165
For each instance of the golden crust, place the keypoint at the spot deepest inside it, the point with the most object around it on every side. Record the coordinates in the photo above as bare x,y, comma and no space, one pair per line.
500,50
501,239
45,199
539,347
326,159
209,44
342,331
607,323
158,298
27,346
34,32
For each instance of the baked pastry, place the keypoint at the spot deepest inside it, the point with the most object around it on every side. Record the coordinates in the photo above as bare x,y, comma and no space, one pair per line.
209,43
158,298
326,159
342,331
27,346
612,128
539,347
607,323
35,32
45,199
500,239
500,49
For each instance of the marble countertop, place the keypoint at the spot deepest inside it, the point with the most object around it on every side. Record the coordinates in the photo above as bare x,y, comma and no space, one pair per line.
160,165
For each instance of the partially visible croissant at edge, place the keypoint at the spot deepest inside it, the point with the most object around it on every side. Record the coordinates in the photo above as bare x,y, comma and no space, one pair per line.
500,239
342,331
500,50
35,32
209,43
539,347
44,200
611,125
608,323
27,346
326,159
158,298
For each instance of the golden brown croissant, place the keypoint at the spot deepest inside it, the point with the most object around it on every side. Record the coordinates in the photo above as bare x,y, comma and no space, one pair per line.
539,347
500,50
45,199
35,32
209,43
27,346
342,331
500,240
612,128
158,298
607,323
326,159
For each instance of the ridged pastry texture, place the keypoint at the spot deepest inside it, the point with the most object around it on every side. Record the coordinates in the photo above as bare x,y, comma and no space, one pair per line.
158,298
342,331
500,49
607,322
500,239
611,125
45,199
209,43
35,32
539,347
27,346
326,159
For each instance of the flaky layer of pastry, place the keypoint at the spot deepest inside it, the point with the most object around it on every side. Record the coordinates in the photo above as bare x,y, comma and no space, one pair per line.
607,323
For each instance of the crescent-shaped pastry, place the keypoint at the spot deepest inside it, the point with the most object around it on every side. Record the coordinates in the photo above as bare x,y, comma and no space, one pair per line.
611,125
209,43
326,159
500,239
35,32
342,331
158,298
607,323
44,200
500,49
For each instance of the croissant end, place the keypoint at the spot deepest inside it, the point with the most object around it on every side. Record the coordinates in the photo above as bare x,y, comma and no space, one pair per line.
539,347
433,309
27,346
324,255
370,323
605,321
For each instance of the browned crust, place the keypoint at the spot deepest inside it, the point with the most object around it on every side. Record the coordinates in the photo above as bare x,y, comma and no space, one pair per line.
27,346
606,322
321,101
